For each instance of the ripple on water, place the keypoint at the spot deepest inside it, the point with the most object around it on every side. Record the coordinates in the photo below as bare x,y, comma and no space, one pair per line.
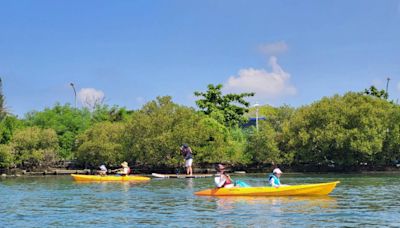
360,200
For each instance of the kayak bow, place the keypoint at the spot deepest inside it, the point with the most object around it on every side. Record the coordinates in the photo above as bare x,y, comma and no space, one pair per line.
108,178
292,190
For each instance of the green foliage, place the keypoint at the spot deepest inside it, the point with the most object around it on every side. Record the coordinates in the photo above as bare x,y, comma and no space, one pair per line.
7,126
35,147
347,129
373,91
262,146
112,114
67,121
228,109
6,156
101,144
155,132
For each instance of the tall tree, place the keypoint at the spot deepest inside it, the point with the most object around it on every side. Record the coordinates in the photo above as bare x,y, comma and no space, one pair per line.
228,108
3,111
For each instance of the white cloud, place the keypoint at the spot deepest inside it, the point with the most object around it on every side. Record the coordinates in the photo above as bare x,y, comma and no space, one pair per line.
140,100
398,86
90,97
274,48
265,84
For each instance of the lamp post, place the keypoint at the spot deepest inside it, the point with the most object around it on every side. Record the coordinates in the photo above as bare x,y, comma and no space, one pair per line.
256,105
73,87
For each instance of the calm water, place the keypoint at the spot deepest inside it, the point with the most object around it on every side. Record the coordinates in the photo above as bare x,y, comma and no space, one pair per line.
371,200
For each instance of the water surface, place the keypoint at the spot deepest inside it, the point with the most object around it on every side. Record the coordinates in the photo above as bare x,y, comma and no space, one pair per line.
371,200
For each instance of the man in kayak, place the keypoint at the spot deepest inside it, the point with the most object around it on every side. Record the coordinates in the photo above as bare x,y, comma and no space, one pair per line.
125,170
187,154
274,178
222,180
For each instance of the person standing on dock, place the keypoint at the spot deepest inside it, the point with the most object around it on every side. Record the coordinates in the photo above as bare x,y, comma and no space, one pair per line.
187,154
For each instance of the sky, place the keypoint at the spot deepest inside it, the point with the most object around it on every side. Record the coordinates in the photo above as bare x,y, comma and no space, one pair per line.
127,53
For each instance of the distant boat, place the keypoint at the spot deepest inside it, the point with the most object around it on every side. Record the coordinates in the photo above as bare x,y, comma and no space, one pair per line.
158,175
240,172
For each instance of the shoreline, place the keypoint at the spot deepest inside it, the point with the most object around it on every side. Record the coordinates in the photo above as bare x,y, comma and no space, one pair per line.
65,172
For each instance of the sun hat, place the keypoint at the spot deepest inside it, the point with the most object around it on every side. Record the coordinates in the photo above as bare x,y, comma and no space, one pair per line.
124,164
277,171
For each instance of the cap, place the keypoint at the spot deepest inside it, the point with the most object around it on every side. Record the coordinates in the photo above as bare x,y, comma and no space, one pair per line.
277,171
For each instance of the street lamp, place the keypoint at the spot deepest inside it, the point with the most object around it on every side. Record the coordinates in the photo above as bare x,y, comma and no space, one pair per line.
256,105
73,87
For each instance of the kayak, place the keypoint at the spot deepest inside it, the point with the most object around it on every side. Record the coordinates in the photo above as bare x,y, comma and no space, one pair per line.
158,175
108,178
292,190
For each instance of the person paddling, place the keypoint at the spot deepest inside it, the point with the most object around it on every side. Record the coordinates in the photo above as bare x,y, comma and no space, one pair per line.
125,170
273,179
222,180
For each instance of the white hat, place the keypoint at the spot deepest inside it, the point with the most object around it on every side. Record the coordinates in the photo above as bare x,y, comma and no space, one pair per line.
277,171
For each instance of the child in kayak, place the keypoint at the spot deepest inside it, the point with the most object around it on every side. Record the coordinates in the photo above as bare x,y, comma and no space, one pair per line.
102,171
273,179
222,180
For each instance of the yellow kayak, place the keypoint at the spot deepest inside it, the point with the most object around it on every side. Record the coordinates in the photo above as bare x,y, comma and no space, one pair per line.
293,190
108,178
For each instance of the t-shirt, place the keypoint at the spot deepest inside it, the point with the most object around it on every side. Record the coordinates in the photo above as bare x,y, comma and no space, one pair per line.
187,153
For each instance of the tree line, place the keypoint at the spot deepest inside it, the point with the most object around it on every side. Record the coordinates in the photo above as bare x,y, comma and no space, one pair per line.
346,131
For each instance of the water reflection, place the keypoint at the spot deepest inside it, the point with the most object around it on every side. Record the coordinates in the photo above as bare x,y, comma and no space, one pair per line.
297,203
189,182
359,201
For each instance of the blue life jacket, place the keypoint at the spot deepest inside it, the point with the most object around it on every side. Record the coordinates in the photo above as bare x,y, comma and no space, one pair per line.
275,178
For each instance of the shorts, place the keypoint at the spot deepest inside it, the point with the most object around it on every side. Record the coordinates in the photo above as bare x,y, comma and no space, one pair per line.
188,162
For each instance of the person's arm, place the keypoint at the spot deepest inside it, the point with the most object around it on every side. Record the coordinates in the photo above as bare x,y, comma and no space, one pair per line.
272,183
219,181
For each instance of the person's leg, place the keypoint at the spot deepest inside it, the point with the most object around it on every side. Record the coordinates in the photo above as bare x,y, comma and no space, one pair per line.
187,167
190,161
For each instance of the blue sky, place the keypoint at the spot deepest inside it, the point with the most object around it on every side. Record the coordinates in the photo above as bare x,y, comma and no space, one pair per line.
288,52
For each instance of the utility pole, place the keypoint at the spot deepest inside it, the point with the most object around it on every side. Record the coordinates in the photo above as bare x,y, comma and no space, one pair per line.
73,87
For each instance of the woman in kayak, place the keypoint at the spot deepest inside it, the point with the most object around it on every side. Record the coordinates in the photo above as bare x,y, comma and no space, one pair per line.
125,170
222,180
274,178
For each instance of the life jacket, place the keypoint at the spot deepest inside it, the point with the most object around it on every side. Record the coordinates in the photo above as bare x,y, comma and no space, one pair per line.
227,181
275,178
